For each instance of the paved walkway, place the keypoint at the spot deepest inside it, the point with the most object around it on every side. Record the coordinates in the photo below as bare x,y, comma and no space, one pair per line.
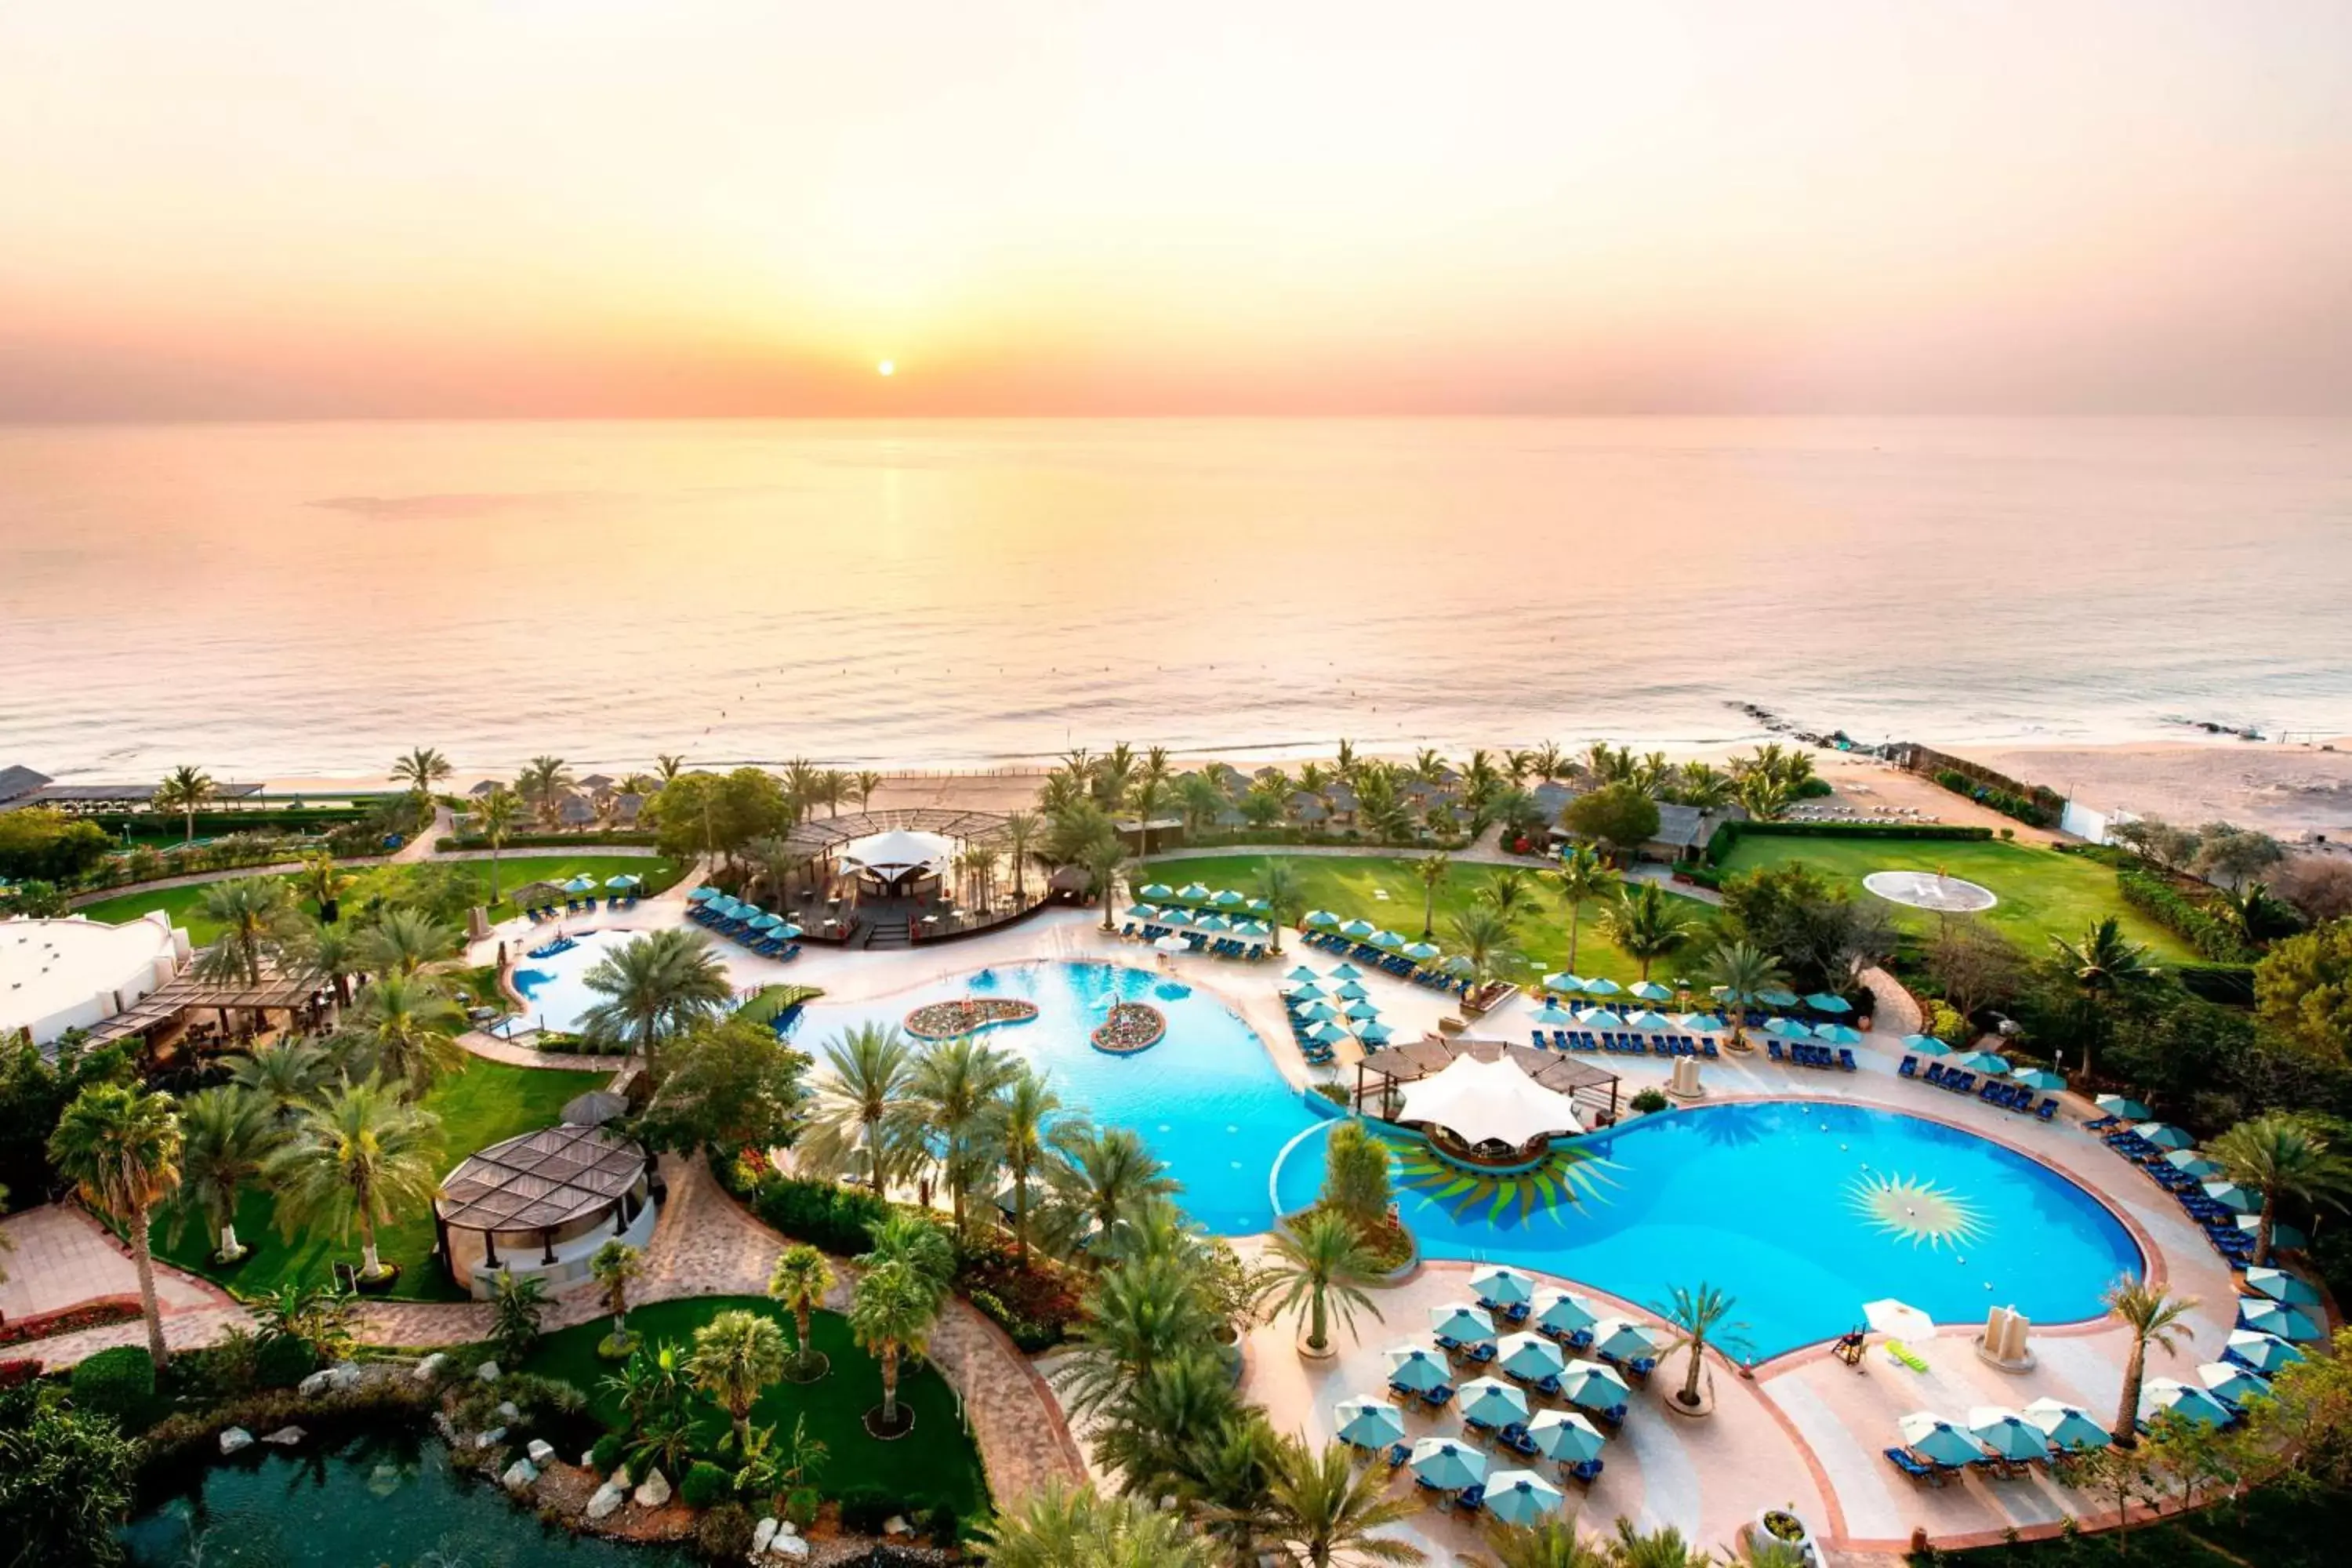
420,846
64,1258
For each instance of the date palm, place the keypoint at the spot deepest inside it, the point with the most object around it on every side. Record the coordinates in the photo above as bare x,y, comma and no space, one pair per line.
328,953
1661,1548
1277,888
1510,893
119,1146
363,1157
226,1134
186,790
412,1028
1151,797
421,769
283,1075
1139,1317
1551,1542
891,1312
1104,859
1102,1180
2284,1154
1744,971
801,1281
1319,1263
952,1096
1023,1116
1583,877
1699,1316
859,1121
1645,924
2104,964
1484,936
1065,1527
1322,1508
542,784
1022,831
1764,797
667,765
656,986
2154,1319
324,883
863,783
406,941
615,1267
736,1356
1431,871
1702,785
257,923
495,816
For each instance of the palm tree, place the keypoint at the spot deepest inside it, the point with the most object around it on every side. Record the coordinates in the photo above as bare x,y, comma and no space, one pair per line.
226,1134
890,1314
542,784
1743,970
1102,1179
832,787
1645,924
1139,1318
858,1116
736,1356
615,1267
2284,1154
283,1075
1113,772
329,952
1484,935
801,1281
1510,893
1027,1105
406,941
324,883
1431,870
363,1156
953,1095
1022,830
2105,965
186,790
1319,1263
1765,798
495,816
1323,1508
1702,785
863,783
1151,797
119,1146
1697,1315
1550,1542
1061,1527
1104,859
656,986
1278,888
421,769
413,1028
257,919
667,765
2154,1319
1584,876
1661,1548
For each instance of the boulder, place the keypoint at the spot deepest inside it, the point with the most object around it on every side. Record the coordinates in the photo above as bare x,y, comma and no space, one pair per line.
512,1410
897,1525
519,1475
762,1533
788,1546
607,1500
430,1367
588,1460
620,1477
488,1372
236,1440
652,1492
541,1452
491,1438
786,1527
285,1437
343,1376
317,1383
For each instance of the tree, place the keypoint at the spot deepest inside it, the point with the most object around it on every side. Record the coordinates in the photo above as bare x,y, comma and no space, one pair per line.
1319,1263
1431,870
2284,1154
1818,931
1027,1108
542,784
1323,1508
186,790
2231,855
891,1311
1510,893
420,770
736,1356
2318,887
1646,924
859,1116
2153,1317
1484,934
1147,1310
2102,965
2155,840
1764,799
1976,965
363,1157
913,1240
1277,888
1699,1316
615,1267
257,925
42,843
1664,1548
667,765
728,1083
1356,1174
654,987
1619,815
494,815
324,883
226,1133
1550,1542
412,1028
1022,830
1151,797
2303,989
801,1281
1105,859
953,1096
1102,1179
1744,971
518,1302
406,942
1583,877
119,1146
864,783
1064,1527
65,1486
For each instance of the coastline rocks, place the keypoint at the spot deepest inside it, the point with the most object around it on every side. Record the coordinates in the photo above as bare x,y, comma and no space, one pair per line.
652,1492
236,1440
430,1367
488,1372
541,1452
607,1500
519,1475
285,1437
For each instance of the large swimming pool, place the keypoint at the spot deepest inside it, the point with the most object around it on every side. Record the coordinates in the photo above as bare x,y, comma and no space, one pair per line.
554,990
1802,1211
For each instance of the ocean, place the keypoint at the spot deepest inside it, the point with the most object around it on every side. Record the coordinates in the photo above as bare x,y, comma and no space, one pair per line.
311,599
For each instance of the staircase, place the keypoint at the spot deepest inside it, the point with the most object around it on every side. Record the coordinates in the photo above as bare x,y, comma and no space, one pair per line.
888,933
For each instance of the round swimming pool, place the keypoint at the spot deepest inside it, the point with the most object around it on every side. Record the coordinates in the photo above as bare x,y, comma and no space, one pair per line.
1802,1212
1207,1098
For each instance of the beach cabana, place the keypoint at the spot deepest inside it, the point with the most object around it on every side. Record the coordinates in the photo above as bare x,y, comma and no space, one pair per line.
1488,1103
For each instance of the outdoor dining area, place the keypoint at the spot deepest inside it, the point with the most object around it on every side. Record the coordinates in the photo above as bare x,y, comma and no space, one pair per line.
1536,1381
1569,1094
763,932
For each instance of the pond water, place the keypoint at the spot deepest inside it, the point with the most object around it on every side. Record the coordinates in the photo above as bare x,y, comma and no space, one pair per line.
386,1501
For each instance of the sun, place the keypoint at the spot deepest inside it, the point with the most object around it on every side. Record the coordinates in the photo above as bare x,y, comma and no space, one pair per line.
888,367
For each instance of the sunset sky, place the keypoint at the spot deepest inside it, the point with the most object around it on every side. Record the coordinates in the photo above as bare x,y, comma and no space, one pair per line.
249,209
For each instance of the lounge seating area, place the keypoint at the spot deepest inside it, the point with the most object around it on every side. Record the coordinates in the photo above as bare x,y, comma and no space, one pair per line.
749,926
1628,1043
1796,1053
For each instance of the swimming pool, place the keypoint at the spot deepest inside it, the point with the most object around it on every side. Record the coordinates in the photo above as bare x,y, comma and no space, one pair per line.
1207,1098
554,990
1800,1211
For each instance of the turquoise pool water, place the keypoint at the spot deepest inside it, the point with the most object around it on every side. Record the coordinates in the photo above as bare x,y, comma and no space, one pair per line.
1207,1098
1803,1212
554,990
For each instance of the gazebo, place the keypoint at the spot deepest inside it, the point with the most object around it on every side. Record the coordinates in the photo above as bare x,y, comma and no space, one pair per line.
1487,1113
1573,1095
551,1197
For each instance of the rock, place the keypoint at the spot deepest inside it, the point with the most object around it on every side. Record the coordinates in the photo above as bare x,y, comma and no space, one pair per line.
343,1376
491,1438
286,1436
608,1500
762,1533
619,1476
788,1546
652,1492
317,1383
519,1476
541,1452
588,1460
430,1367
786,1527
897,1525
488,1372
508,1408
236,1440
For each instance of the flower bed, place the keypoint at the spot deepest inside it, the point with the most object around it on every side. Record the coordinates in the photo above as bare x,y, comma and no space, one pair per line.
967,1015
1132,1027
70,1319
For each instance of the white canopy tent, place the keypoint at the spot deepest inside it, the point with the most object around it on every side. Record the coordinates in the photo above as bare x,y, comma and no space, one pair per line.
894,854
1483,1102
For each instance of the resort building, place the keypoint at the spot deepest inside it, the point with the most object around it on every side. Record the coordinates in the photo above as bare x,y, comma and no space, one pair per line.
77,973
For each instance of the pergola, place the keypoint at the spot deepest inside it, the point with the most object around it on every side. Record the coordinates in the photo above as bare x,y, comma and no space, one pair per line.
185,994
820,837
1593,1089
550,1187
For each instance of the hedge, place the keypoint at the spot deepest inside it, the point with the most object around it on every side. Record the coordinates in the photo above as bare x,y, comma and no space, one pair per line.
1728,837
446,844
1280,836
2211,935
2231,984
2031,811
706,1485
828,1216
119,1383
218,824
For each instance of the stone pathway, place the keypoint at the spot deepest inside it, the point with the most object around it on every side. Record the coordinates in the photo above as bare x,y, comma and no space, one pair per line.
1894,1012
490,1047
64,1258
420,846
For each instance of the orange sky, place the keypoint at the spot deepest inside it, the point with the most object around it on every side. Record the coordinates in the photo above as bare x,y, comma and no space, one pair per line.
255,209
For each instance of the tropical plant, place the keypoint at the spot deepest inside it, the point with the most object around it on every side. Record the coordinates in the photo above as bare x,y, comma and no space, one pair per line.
891,1311
952,1096
1661,1548
542,784
1431,871
1483,933
1744,971
1151,797
656,1397
1319,1263
257,923
1699,1316
1764,799
283,1074
66,1486
406,941
858,1117
1620,815
1023,1118
1104,859
655,986
495,816
2284,1154
412,1027
1356,1173
1646,924
1276,886
667,765
615,1267
420,769
912,1240
517,1303
1101,1179
1510,893
1322,1508
186,790
1064,1527
736,1356
363,1157
2154,1319
2103,965
1149,1310
1022,831
801,1281
863,783
226,1133
324,883
119,1146
1583,879
774,1470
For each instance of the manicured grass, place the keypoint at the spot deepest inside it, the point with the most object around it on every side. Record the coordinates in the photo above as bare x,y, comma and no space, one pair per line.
936,1462
1350,885
2042,894
487,1101
182,903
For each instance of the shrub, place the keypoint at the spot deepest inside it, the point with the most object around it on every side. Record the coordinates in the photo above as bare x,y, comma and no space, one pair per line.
866,1509
706,1485
1946,1024
119,1383
800,1505
724,1534
283,1360
830,1218
943,1525
606,1453
1647,1100
2231,984
2160,902
16,1374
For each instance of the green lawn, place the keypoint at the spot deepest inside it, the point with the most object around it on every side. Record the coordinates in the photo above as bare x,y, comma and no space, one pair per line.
2042,894
936,1462
487,1101
514,871
1350,887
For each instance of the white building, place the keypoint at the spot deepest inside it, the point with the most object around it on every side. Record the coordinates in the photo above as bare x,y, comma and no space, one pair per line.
75,973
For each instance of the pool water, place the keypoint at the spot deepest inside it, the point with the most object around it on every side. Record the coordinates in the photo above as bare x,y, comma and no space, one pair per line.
1801,1212
555,991
1207,1099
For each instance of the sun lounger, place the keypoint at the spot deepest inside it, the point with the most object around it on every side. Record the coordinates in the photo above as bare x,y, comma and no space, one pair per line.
1774,1048
1901,1459
1438,1398
1588,1471
1898,1352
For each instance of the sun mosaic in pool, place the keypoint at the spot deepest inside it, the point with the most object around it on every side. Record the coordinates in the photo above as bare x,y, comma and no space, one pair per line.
1561,1178
1909,1208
